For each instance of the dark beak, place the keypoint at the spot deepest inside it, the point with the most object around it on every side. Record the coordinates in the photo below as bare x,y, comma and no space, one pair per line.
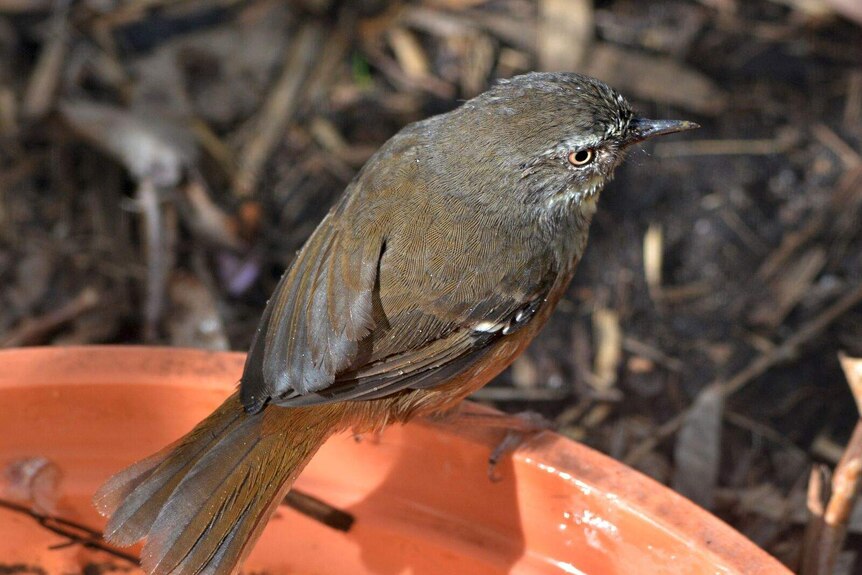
640,128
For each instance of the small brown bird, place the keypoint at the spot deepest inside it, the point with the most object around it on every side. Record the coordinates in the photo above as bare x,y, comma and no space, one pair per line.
445,256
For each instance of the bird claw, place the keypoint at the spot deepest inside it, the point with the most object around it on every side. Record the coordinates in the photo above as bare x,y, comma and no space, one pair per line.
372,437
521,428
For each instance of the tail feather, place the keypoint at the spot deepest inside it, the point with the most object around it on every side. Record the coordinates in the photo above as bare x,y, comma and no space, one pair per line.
133,497
206,501
203,501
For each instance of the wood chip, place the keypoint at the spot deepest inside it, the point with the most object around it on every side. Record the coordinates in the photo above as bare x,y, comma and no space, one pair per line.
852,367
608,341
652,254
409,53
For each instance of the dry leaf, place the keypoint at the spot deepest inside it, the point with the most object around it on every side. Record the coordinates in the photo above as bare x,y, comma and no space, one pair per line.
148,147
697,452
32,481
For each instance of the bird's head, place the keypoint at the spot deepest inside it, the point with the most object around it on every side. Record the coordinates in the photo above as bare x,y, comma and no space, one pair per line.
557,136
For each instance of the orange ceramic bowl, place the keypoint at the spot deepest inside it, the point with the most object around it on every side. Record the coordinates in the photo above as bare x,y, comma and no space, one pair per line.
420,493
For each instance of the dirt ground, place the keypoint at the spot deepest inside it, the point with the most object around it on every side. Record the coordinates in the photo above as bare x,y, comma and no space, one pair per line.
162,161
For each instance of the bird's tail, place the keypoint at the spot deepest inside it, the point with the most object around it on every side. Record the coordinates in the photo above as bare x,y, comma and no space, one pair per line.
203,501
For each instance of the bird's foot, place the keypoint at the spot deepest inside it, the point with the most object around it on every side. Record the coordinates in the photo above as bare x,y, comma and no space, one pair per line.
372,437
520,428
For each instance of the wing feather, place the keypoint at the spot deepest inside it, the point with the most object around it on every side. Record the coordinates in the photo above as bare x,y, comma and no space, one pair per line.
395,289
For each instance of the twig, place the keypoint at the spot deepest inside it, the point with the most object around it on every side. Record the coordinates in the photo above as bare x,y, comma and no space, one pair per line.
760,429
431,84
34,330
789,244
830,527
158,245
282,104
818,477
853,102
520,394
409,53
848,156
788,289
638,347
756,368
42,87
80,534
319,510
77,533
738,226
845,484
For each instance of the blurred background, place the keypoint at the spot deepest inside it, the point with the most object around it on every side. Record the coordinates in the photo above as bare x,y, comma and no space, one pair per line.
161,161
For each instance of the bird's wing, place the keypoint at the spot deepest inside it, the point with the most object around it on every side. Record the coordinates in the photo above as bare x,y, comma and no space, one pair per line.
446,352
399,287
320,311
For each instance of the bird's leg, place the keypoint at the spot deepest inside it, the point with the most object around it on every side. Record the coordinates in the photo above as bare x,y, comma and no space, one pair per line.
519,428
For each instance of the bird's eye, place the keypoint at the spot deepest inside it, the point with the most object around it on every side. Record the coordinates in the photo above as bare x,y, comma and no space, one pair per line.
582,157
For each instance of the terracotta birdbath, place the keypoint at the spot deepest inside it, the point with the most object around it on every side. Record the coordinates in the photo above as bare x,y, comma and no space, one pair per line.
420,494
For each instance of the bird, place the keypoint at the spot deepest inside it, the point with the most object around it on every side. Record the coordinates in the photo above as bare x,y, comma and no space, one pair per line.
441,261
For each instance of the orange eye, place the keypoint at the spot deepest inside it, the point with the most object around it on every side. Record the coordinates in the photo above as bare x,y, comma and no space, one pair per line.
582,157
